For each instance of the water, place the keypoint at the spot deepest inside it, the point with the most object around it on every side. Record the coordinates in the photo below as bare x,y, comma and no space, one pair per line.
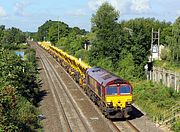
20,53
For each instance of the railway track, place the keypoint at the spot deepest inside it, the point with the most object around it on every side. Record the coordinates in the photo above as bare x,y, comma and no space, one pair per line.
70,118
68,112
125,126
132,126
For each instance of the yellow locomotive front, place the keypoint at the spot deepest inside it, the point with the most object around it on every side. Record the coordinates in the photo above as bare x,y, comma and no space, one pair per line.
118,98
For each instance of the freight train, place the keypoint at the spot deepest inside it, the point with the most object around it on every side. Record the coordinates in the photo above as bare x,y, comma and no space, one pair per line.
112,94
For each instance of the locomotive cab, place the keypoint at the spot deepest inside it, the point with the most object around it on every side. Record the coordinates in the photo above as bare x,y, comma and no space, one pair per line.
118,98
110,92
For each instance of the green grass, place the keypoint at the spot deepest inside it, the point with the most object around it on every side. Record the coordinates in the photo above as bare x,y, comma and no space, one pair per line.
155,99
168,65
176,125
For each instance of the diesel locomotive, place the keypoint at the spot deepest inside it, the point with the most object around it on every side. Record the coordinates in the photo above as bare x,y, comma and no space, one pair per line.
112,94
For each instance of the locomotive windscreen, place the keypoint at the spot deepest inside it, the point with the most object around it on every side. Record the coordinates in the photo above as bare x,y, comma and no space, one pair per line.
125,89
111,90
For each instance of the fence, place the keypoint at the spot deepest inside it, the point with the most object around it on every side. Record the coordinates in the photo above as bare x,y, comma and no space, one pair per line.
166,77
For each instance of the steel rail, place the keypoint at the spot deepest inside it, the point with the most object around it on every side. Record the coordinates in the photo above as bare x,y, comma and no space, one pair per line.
87,126
57,96
132,126
115,126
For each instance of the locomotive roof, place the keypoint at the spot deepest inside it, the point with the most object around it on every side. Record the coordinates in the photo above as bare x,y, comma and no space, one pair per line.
103,77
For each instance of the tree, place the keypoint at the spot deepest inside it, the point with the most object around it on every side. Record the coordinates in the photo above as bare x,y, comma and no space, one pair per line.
139,42
54,35
18,93
49,31
175,45
126,67
11,37
108,39
2,28
77,30
173,40
43,31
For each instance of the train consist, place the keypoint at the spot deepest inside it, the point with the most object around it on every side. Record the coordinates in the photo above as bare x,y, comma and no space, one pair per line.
112,94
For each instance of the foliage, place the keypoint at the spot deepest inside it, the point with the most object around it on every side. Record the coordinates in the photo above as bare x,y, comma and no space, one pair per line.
83,54
126,67
57,31
19,86
167,31
155,96
43,30
11,38
2,29
105,63
19,90
174,41
164,54
17,114
168,65
13,35
107,30
72,43
114,40
176,126
140,39
171,54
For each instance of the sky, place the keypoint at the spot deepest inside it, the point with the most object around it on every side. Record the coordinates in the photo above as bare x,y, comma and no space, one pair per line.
28,15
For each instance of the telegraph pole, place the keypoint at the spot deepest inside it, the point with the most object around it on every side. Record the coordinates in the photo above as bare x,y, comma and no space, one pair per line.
158,43
58,29
155,40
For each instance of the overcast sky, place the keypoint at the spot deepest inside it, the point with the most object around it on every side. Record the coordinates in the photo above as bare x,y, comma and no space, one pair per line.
28,15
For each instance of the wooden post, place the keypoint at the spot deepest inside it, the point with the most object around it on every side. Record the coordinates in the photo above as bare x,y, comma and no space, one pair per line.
168,78
175,81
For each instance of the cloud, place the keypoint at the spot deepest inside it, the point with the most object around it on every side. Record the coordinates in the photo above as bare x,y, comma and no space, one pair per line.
77,13
94,4
140,6
124,6
20,8
2,12
178,12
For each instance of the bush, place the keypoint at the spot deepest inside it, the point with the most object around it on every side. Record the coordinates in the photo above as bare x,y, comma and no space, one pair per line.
83,54
164,54
154,98
19,89
126,67
176,126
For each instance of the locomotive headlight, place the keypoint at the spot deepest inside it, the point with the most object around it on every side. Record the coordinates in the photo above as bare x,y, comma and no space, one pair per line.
109,103
128,103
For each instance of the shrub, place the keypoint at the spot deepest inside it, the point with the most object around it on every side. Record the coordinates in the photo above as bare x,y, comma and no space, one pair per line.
164,54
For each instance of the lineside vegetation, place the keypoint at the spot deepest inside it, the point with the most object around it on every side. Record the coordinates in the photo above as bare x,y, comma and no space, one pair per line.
19,83
122,48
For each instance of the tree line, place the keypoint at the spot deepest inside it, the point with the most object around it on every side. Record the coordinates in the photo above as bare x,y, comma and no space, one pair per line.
19,83
11,37
122,47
